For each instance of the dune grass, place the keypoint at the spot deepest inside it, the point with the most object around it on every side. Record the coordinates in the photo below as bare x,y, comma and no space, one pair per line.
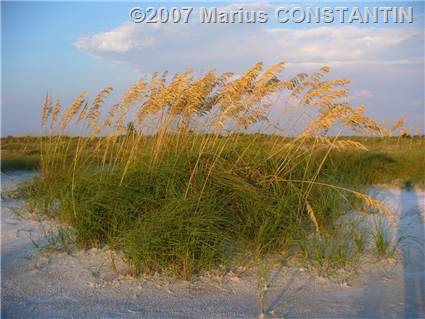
20,153
17,163
179,186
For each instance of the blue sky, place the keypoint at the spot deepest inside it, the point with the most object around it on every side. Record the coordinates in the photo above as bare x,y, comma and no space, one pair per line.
67,48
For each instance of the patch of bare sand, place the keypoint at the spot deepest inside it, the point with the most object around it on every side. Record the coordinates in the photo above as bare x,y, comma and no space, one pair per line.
37,283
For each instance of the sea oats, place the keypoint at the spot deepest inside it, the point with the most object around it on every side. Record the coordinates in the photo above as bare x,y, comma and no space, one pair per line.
399,124
55,114
71,112
94,113
178,181
312,217
46,109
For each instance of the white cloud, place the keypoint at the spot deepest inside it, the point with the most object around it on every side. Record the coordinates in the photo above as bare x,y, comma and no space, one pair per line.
418,103
362,94
235,46
383,63
119,40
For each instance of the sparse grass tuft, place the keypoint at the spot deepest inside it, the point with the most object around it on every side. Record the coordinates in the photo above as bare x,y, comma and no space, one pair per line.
382,239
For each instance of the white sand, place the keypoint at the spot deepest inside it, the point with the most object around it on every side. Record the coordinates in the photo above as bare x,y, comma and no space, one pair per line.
38,284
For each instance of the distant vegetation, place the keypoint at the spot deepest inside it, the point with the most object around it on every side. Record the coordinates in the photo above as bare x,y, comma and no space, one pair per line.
388,160
179,186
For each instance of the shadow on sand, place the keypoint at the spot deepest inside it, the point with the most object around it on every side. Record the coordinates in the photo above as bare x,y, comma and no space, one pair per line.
411,227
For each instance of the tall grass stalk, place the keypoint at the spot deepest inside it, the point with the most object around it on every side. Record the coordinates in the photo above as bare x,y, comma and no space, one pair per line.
189,187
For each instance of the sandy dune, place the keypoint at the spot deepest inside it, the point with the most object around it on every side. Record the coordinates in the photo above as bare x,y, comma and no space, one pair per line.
39,284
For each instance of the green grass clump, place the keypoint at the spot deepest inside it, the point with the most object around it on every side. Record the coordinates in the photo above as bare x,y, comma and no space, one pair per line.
390,160
20,153
235,210
183,188
19,164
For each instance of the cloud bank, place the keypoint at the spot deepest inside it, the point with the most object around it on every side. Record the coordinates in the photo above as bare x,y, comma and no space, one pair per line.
384,63
232,46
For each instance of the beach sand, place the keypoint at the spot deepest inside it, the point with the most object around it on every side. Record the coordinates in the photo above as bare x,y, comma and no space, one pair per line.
40,283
